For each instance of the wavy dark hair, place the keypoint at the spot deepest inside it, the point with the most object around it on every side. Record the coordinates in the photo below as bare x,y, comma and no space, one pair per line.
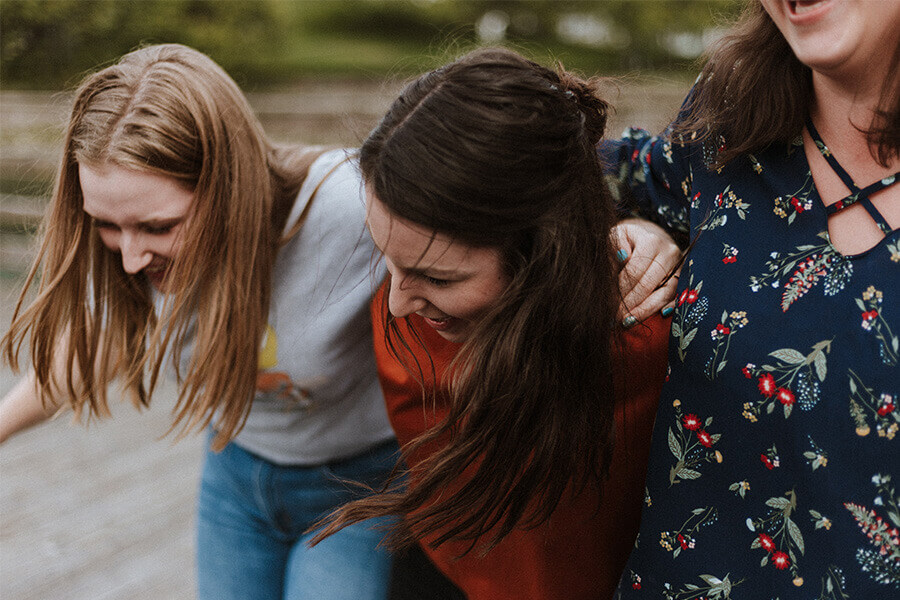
497,151
753,91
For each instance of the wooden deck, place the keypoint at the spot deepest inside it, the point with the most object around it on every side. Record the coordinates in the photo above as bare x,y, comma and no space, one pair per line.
106,512
103,512
97,512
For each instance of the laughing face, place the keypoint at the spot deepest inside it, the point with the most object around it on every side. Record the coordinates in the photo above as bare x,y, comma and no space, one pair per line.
448,283
138,215
842,38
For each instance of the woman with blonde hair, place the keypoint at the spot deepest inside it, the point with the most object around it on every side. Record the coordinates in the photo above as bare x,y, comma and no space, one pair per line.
178,235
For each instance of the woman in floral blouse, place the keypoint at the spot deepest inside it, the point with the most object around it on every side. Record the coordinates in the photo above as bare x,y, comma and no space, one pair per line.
774,465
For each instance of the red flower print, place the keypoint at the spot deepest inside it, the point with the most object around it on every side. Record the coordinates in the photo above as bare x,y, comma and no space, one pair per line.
722,329
635,586
781,560
867,318
797,206
691,422
729,259
766,385
704,438
696,196
682,542
747,372
765,459
886,408
785,396
766,542
692,296
689,296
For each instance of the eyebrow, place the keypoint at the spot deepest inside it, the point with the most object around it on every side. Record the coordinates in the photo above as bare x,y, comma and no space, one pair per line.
162,221
436,272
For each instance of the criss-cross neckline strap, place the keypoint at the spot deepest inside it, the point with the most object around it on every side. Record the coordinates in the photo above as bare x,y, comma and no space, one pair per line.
856,194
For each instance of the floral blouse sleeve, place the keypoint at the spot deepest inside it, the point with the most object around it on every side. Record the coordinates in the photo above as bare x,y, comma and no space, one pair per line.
661,193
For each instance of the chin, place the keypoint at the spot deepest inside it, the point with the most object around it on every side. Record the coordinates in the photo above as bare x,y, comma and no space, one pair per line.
158,283
457,337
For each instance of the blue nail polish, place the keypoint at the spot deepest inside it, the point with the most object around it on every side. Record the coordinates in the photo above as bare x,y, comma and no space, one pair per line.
629,321
622,255
668,311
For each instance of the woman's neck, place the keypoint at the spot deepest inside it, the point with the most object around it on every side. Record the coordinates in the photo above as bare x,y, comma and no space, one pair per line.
842,113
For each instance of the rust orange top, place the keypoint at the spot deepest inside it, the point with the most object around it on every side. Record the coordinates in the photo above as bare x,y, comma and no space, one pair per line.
581,550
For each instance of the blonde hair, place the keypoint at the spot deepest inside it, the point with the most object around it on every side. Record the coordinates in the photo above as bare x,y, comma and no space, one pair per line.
168,110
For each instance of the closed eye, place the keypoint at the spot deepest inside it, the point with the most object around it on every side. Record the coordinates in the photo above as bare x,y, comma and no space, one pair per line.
158,229
436,282
103,224
150,228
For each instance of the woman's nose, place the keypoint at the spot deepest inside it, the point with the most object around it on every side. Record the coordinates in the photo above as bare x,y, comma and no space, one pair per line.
135,253
403,299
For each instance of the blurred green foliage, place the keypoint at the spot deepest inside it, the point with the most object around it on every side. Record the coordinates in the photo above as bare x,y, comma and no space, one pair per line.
52,43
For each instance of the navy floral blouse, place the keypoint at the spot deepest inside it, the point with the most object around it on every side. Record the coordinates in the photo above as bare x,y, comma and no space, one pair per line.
775,456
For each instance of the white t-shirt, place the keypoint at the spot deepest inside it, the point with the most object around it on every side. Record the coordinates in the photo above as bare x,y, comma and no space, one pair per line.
318,397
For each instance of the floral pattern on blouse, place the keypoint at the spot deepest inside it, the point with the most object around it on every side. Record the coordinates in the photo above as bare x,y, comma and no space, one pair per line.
775,449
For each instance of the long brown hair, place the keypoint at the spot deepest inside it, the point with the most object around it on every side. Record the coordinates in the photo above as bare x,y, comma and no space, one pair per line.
168,110
497,151
753,91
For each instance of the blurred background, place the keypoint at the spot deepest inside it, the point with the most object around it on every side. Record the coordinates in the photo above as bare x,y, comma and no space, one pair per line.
106,512
47,43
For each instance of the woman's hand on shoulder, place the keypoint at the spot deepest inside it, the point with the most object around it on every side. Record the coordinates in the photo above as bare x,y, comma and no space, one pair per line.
648,255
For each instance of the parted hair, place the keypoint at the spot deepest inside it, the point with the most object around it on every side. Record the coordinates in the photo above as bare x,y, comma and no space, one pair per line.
753,91
167,110
494,150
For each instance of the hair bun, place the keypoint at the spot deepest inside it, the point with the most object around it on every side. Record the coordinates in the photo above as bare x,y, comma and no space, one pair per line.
593,109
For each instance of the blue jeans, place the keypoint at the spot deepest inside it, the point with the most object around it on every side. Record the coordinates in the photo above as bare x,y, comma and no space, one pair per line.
251,518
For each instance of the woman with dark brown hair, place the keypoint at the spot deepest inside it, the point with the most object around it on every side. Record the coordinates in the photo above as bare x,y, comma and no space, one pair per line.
775,446
487,199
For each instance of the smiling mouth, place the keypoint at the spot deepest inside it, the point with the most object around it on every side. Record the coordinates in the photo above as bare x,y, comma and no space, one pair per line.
441,323
156,270
799,7
156,273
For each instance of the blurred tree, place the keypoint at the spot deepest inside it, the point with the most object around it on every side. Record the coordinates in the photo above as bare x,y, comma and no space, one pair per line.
50,43
639,30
